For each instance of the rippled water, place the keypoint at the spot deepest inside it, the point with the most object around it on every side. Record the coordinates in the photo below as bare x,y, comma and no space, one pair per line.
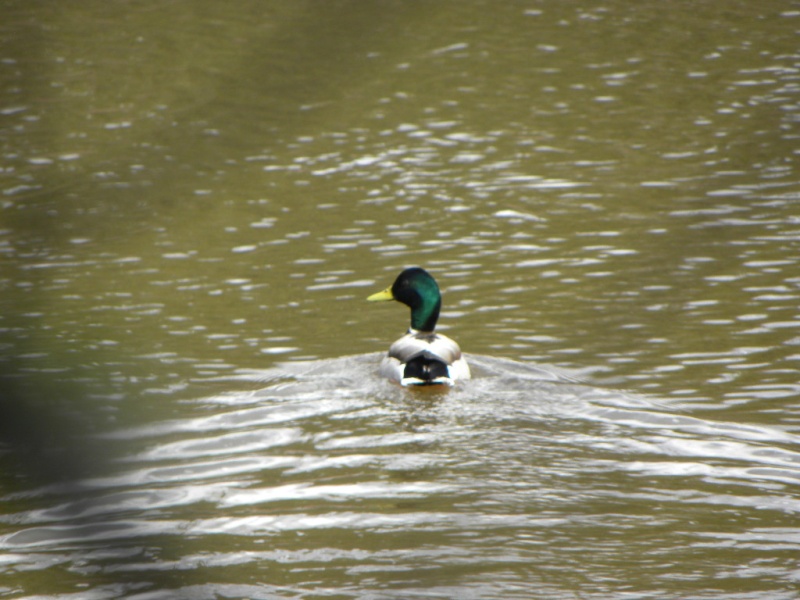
195,206
328,480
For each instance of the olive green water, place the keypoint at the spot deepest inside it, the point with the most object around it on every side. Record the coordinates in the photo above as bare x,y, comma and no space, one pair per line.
196,199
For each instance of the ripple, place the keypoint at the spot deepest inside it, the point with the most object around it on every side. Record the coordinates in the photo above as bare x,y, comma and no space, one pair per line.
326,462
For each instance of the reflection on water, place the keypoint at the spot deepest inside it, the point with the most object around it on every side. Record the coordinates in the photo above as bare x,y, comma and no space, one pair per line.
192,215
330,468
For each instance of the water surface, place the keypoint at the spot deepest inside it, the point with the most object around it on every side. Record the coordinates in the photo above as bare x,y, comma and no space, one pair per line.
195,202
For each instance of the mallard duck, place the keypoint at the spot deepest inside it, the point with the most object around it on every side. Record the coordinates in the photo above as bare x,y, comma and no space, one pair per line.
421,356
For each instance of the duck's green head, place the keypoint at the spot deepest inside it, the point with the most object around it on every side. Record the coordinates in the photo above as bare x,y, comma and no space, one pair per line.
415,288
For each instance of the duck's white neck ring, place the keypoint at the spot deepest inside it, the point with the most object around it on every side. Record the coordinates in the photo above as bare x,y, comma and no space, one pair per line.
412,331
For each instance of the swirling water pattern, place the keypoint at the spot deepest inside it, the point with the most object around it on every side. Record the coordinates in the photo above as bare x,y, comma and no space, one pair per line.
328,470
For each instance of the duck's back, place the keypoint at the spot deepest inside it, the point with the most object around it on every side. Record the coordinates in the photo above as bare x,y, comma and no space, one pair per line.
421,358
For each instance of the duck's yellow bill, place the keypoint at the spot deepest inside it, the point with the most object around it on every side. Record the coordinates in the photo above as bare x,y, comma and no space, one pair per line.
380,296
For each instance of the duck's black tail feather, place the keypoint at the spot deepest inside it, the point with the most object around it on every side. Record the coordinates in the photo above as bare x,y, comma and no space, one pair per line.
427,370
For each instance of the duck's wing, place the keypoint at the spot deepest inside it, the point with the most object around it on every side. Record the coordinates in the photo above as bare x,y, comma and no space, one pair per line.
450,352
430,345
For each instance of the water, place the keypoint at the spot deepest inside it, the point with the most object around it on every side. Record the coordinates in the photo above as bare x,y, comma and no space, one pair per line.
325,480
196,205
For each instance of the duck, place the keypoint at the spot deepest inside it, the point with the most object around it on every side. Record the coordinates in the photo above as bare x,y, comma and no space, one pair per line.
421,356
